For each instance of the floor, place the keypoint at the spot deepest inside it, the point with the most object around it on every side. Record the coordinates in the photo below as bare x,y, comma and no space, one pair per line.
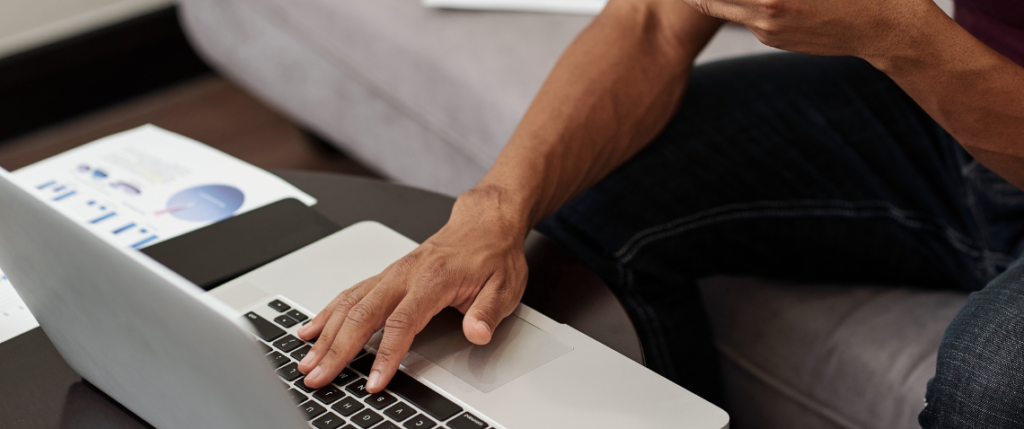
209,109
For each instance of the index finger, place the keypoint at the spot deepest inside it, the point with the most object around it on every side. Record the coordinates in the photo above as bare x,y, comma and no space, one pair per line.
359,324
401,327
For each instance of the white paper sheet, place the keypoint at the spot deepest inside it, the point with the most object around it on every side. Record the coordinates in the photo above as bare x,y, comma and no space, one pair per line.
580,7
15,319
143,186
147,185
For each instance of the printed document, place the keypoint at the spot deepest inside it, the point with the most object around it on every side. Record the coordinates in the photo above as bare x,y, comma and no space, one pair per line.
143,186
15,319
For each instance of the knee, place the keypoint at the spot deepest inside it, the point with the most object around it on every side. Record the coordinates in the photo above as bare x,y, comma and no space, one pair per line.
979,380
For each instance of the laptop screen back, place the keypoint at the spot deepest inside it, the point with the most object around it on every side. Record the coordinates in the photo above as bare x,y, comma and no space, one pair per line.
130,326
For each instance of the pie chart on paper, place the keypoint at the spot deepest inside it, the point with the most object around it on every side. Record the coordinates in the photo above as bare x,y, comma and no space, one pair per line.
208,203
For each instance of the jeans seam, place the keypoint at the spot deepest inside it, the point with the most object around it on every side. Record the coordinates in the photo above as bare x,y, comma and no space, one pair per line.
654,347
813,208
991,260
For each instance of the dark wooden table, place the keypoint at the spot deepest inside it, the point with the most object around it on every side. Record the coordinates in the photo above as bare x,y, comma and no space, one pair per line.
39,390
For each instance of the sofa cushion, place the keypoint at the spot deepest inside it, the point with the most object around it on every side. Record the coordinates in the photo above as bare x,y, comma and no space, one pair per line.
427,97
825,356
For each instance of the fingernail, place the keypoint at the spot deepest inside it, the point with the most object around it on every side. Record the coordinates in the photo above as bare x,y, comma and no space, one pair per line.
484,324
313,375
308,359
374,380
303,329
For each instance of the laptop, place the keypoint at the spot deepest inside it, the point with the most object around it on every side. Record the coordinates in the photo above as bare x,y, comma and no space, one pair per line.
182,358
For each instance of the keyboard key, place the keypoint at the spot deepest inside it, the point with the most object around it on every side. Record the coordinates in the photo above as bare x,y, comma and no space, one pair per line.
297,316
387,425
300,353
358,388
263,346
312,409
345,377
277,359
420,422
417,393
347,406
288,343
289,372
467,421
363,364
328,394
422,397
328,421
262,327
380,400
279,306
285,321
400,412
366,418
301,384
297,396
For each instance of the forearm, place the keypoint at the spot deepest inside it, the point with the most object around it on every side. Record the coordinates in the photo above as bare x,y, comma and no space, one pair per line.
975,93
609,94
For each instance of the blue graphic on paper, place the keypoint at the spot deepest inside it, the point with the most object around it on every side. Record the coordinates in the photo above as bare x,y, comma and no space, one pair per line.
209,203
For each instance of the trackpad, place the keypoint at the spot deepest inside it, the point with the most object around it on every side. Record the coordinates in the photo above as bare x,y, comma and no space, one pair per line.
516,348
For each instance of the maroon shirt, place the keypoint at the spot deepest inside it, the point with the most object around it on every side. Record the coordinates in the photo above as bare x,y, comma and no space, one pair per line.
998,23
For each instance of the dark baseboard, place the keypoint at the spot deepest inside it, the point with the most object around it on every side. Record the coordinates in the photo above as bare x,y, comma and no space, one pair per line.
72,77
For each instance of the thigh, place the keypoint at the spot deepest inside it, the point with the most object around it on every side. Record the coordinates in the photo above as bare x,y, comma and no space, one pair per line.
788,165
979,380
783,165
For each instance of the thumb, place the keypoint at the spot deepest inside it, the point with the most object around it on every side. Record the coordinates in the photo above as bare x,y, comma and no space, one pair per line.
495,302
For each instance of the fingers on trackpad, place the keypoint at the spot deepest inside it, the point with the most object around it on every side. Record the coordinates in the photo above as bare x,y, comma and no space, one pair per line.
516,348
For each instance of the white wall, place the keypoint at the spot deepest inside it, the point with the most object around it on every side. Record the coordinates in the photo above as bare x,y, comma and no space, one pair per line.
26,24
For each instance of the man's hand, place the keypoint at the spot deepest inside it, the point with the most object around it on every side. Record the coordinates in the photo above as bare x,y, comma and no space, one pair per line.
476,263
862,28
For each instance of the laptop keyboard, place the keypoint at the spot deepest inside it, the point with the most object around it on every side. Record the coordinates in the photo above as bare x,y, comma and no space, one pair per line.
345,403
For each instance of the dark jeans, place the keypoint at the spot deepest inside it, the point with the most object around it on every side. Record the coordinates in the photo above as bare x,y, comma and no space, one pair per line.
818,169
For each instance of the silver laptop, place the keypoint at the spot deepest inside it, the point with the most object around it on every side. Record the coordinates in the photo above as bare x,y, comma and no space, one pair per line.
182,358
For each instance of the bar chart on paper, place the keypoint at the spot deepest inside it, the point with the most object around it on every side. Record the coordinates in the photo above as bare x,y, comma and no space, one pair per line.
15,319
99,210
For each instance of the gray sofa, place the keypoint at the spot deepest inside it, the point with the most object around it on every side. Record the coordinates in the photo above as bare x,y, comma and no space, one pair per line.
428,98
